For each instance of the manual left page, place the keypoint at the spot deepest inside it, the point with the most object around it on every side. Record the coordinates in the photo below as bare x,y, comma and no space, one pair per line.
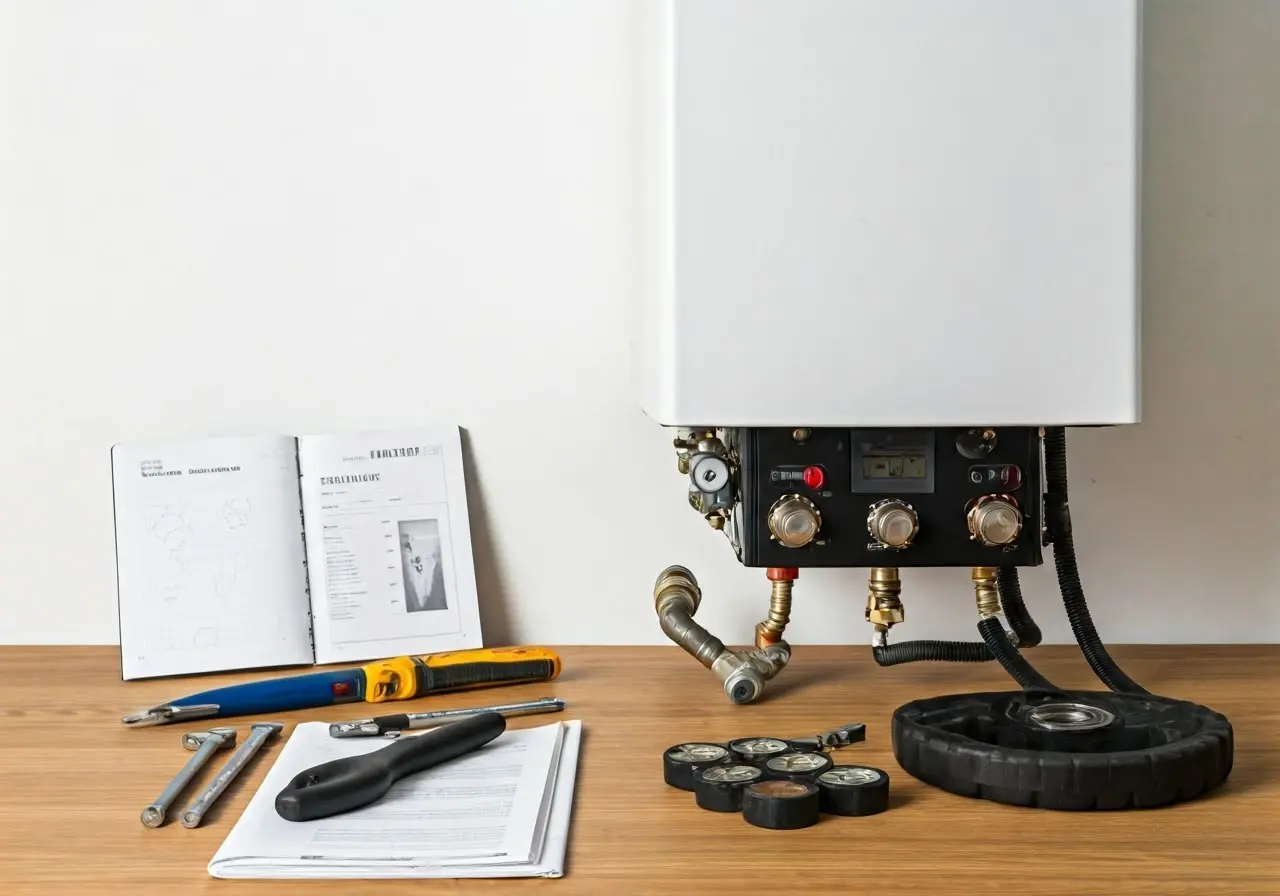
210,560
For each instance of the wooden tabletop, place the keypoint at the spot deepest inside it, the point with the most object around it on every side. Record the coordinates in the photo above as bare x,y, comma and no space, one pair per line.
73,782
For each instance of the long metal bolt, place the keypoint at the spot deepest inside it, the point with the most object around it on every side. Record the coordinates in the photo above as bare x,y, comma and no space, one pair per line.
205,744
261,731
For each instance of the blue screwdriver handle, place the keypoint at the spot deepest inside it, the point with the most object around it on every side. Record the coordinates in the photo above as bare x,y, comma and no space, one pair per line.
282,694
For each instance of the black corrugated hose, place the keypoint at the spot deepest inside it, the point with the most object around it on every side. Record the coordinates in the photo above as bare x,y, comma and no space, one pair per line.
936,651
1064,560
997,641
1024,627
1015,611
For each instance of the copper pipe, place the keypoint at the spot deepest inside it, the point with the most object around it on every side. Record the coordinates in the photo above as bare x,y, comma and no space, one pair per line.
770,631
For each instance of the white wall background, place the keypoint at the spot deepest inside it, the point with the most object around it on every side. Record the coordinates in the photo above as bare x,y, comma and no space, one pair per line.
284,217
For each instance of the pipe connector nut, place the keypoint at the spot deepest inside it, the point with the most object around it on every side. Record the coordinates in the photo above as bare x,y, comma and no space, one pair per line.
676,583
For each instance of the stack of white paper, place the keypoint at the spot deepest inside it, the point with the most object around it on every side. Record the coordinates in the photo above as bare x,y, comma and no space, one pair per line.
502,811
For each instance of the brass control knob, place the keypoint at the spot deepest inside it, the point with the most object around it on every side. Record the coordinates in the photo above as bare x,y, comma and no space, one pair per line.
794,521
893,523
995,520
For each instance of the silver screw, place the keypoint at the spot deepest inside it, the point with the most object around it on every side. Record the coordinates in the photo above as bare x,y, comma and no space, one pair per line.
205,744
194,813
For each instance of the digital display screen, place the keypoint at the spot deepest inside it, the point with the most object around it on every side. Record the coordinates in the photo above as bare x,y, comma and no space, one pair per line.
898,465
893,461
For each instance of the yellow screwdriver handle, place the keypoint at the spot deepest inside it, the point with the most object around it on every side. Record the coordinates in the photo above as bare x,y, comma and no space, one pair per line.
406,677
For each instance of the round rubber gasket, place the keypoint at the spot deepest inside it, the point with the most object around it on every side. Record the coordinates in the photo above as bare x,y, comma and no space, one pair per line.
781,805
1155,752
719,787
853,790
681,761
758,750
804,766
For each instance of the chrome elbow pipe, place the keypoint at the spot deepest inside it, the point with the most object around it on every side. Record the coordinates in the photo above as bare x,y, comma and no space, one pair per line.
743,673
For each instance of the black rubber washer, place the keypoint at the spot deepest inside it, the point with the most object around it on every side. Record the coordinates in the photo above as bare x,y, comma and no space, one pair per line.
757,750
781,805
853,790
801,766
1158,751
719,788
679,762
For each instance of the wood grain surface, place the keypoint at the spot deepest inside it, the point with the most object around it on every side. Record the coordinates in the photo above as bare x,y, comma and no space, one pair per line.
73,782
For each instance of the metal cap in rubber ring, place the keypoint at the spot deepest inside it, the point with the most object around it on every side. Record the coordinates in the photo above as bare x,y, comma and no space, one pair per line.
681,761
719,788
758,750
853,790
781,805
805,766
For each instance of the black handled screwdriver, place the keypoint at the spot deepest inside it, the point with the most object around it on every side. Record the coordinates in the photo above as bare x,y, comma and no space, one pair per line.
341,785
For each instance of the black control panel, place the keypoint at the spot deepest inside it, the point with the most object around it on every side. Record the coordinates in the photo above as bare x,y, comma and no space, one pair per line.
890,497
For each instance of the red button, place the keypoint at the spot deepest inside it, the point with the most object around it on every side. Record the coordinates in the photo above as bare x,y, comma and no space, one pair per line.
1011,477
814,477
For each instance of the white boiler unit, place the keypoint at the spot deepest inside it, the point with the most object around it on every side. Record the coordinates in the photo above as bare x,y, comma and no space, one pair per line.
906,213
891,252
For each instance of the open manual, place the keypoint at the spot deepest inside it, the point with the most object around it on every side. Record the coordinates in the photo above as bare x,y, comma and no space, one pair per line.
502,811
250,552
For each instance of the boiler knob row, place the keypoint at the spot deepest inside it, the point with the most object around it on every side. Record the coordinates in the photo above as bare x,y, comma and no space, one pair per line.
993,520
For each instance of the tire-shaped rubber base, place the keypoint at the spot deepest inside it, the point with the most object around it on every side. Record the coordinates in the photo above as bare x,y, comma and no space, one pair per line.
1155,751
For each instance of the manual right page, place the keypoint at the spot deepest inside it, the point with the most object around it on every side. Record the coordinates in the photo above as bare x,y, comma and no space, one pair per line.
388,544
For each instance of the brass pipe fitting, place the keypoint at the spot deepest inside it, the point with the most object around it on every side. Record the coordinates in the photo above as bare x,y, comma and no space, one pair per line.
676,597
884,607
985,592
770,631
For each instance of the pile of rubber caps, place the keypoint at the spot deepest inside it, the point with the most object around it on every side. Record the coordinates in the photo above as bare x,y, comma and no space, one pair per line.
775,782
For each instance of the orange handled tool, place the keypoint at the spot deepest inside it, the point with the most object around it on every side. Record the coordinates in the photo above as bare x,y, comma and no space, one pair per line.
407,677
402,678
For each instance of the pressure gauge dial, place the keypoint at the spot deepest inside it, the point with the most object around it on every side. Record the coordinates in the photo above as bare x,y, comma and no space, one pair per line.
995,520
709,473
893,523
794,521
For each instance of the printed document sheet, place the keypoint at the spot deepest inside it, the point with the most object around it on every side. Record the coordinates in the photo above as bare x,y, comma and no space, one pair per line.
502,811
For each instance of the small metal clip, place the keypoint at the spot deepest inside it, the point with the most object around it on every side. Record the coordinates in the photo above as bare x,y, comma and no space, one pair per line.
843,736
357,728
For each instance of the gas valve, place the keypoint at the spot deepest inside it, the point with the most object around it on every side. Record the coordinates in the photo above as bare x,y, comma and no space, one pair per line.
709,464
